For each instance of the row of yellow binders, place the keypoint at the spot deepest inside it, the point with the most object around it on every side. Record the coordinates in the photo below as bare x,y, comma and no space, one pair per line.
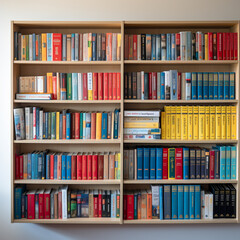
199,122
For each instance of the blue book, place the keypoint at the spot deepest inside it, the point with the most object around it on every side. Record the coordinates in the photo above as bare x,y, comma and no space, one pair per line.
60,126
161,202
205,86
232,85
49,47
113,203
34,46
180,202
222,162
68,125
34,173
44,164
168,46
191,202
220,85
197,204
29,166
173,46
139,163
74,86
135,206
69,166
94,46
37,123
47,166
186,201
233,162
174,202
64,167
145,163
55,166
153,53
73,47
18,191
210,79
39,169
158,47
199,85
173,79
194,85
186,164
104,125
152,163
159,163
226,84
162,87
228,162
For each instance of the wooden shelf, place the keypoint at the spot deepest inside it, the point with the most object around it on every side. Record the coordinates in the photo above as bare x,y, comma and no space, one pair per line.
208,101
70,101
182,181
181,142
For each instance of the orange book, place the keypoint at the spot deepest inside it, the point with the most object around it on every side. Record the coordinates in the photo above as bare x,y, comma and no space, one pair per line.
144,205
114,86
44,47
98,125
64,126
95,86
49,83
110,86
105,86
149,205
59,167
109,46
93,125
111,171
100,86
54,86
118,86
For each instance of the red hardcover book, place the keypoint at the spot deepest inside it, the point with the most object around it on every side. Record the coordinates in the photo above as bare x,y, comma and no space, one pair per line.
235,41
31,205
57,46
95,205
52,166
179,80
74,167
114,86
231,46
54,86
105,86
85,86
79,167
134,47
41,214
64,127
110,86
95,86
59,166
210,46
60,204
89,167
93,125
154,85
165,163
37,53
150,85
100,86
126,47
124,206
130,207
219,46
17,167
95,167
228,47
211,164
72,125
99,203
214,46
84,167
21,167
224,45
77,125
118,86
100,167
179,163
47,204
178,44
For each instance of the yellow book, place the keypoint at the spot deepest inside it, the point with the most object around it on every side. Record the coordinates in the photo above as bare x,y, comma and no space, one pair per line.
116,166
218,122
206,46
119,166
207,122
212,124
163,125
190,122
57,125
223,122
184,127
167,109
23,47
233,122
195,122
90,86
98,125
178,122
173,122
89,46
141,124
201,120
44,47
49,83
228,122
119,37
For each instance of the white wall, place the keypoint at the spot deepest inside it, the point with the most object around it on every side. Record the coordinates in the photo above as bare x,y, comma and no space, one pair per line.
97,10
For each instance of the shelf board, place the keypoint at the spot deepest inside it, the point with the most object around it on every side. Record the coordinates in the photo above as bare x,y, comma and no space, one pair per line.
181,101
71,221
182,181
163,141
70,101
70,182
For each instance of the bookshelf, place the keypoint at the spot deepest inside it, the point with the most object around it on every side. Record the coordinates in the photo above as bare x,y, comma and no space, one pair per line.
20,68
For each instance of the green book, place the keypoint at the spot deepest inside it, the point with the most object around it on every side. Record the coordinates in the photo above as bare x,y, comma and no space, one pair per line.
27,47
171,163
69,86
53,125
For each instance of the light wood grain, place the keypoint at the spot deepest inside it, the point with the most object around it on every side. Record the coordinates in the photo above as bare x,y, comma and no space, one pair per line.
181,181
70,101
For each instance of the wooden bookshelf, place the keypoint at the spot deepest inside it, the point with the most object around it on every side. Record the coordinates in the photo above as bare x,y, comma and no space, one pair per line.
20,68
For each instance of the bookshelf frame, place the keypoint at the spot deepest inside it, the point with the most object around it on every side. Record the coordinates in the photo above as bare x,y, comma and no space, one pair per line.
19,68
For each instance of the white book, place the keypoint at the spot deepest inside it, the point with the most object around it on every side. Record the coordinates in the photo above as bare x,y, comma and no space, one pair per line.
85,47
40,84
34,123
27,122
80,87
155,202
30,43
202,204
28,96
210,206
206,215
167,85
89,80
64,202
19,123
41,124
142,85
139,47
141,113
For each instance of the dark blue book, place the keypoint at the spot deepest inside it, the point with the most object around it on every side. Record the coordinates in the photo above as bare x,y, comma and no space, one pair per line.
79,203
68,125
60,126
135,206
44,153
139,163
48,166
192,164
37,123
18,191
145,163
198,164
197,198
167,209
186,163
153,53
203,164
46,125
152,163
220,85
145,86
217,163
159,163
210,80
194,85
158,47
169,46
34,166
115,129
104,125
94,47
64,168
174,202
55,166
69,166
226,84
199,85
205,86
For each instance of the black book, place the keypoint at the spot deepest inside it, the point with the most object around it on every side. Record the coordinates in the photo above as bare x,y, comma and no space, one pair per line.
79,213
129,85
143,46
134,85
108,207
217,164
15,45
198,164
203,164
227,201
222,204
215,192
104,204
146,86
207,160
103,46
73,204
232,201
203,47
193,46
19,46
68,204
125,85
167,211
192,164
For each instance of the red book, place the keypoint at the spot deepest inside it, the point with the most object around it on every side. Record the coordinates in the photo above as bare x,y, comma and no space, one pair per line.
150,85
59,166
79,167
231,46
235,43
178,44
165,163
31,204
228,47
95,86
100,203
118,86
100,86
21,166
114,86
219,46
224,43
74,167
72,125
126,47
84,167
134,47
17,167
105,86
95,167
89,167
54,86
124,206
85,86
64,126
60,204
110,86
130,207
57,46
154,85
52,166
46,204
95,205
179,163
41,214
211,164
77,125
210,46
179,80
93,125
100,167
